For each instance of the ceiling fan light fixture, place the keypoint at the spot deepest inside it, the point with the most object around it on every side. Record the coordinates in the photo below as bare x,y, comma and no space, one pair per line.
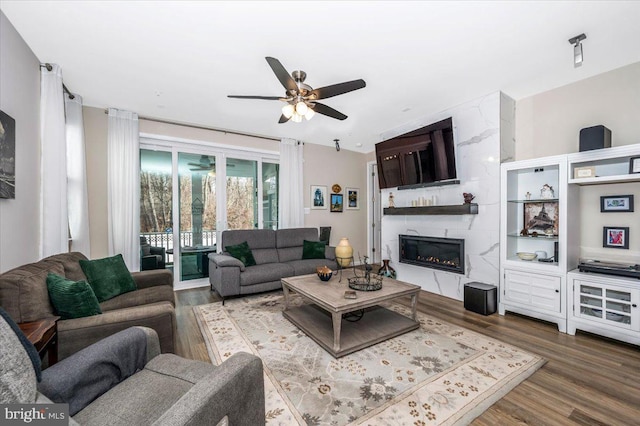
309,114
288,110
296,118
301,108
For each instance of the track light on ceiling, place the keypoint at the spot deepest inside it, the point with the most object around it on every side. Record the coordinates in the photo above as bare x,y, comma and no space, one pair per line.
577,49
337,144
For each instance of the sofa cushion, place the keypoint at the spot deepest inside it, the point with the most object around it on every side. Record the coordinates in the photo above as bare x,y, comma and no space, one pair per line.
23,291
256,238
308,266
263,273
290,241
20,366
72,299
108,277
313,249
242,252
71,264
140,297
263,256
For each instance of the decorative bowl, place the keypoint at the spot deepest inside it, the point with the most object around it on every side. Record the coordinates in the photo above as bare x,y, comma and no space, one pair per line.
324,273
526,256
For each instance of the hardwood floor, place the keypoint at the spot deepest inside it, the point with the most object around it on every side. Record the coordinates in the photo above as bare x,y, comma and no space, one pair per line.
587,380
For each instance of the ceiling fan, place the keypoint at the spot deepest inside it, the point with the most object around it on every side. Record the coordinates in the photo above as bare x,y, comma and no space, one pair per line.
301,98
204,164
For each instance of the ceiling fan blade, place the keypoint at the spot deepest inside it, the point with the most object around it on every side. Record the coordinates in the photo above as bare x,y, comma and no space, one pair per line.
338,89
285,78
328,111
283,119
266,98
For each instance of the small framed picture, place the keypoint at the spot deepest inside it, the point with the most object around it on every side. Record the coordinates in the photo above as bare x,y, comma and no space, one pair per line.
615,237
336,203
584,172
353,198
318,197
634,165
616,203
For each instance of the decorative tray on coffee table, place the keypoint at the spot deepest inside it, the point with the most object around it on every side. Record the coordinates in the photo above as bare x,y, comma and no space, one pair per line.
372,283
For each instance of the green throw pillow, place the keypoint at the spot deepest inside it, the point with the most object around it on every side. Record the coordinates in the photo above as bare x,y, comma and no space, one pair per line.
242,252
72,299
108,277
313,249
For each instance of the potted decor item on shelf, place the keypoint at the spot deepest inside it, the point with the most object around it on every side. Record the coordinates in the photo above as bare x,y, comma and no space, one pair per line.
468,197
386,270
546,192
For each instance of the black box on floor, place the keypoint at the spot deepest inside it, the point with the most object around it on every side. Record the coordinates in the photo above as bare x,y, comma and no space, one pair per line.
596,137
480,298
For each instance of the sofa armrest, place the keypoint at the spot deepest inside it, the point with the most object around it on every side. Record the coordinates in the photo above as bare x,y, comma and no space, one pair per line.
78,333
152,278
235,389
224,260
330,252
81,378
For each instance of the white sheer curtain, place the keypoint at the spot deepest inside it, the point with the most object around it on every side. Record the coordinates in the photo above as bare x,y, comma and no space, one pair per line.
54,227
123,198
77,200
291,204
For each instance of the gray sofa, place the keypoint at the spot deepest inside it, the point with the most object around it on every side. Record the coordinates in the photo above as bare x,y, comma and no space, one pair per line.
278,255
24,295
124,380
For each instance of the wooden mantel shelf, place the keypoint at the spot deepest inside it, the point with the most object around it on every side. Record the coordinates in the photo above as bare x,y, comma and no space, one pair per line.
432,210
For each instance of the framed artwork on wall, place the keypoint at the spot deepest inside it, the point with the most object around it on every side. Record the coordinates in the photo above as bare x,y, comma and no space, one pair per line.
318,197
615,237
336,203
7,156
353,198
616,203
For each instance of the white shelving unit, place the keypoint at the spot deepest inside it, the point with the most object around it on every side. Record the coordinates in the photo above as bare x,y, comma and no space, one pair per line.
532,287
611,165
605,305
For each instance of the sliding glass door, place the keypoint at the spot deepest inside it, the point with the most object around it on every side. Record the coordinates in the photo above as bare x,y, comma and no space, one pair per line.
189,194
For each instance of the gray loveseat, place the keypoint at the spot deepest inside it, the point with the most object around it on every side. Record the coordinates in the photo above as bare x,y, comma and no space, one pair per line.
24,295
278,255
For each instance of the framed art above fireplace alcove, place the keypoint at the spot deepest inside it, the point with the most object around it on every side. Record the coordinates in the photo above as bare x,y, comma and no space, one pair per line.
483,135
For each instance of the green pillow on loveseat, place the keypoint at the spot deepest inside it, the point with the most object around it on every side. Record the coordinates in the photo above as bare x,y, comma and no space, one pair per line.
72,299
108,277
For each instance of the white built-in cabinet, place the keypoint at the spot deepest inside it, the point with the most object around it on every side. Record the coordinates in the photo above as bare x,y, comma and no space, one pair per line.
606,305
556,291
534,203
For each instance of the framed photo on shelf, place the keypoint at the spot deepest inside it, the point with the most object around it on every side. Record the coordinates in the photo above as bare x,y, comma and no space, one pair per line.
353,198
318,197
336,203
634,165
615,237
616,203
541,218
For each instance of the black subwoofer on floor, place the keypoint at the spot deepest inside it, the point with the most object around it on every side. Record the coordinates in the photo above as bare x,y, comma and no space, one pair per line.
596,137
480,298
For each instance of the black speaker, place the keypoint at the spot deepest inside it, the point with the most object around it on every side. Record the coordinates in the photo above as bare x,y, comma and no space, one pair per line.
596,137
480,298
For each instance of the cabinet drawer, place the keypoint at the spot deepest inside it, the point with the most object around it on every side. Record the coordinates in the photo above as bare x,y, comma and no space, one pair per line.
533,290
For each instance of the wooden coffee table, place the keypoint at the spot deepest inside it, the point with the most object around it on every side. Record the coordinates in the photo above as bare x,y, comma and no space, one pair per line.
322,318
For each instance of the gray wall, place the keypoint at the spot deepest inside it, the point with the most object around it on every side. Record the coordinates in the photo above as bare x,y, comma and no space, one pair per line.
20,99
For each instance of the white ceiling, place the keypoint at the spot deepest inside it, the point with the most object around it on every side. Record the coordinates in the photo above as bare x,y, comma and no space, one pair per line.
178,60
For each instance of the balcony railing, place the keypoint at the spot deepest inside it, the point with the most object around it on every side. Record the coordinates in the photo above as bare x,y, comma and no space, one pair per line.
165,239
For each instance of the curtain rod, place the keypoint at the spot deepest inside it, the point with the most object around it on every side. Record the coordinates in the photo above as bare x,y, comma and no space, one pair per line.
49,68
177,123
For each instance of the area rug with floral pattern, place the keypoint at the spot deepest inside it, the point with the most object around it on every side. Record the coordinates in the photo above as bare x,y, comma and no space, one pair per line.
438,374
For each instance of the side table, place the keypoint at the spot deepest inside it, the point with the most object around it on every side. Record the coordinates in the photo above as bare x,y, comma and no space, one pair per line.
44,336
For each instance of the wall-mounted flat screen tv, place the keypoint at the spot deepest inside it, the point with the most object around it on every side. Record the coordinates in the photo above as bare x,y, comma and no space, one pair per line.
422,157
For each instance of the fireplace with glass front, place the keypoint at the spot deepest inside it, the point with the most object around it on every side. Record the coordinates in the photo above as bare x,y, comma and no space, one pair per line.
446,254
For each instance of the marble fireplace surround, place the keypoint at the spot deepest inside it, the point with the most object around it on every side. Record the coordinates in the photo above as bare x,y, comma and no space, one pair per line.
484,136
